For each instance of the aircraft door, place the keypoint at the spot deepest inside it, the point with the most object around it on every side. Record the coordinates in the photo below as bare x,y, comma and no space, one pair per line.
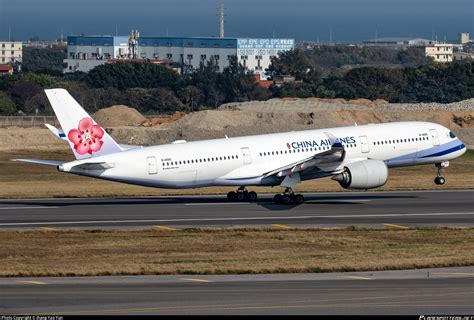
364,144
152,165
434,136
246,155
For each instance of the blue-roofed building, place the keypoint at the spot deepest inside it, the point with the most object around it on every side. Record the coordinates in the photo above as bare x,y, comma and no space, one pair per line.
86,52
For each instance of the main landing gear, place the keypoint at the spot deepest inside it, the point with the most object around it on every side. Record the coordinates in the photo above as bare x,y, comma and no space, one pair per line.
288,197
439,180
242,195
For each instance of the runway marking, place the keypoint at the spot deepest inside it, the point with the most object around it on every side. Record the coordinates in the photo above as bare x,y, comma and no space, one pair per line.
357,277
396,226
48,229
165,228
234,219
216,204
196,280
34,282
344,201
24,208
280,226
455,273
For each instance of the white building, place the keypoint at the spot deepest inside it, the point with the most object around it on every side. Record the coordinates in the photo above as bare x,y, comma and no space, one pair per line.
463,37
11,52
86,52
440,52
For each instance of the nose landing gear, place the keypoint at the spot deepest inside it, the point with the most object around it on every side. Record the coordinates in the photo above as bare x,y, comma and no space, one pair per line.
242,195
440,180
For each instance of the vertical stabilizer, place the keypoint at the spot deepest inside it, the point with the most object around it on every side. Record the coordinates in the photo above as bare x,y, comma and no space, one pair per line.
86,138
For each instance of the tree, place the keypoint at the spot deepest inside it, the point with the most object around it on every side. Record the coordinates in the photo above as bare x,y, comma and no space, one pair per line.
166,101
44,60
125,75
293,62
191,97
7,107
237,82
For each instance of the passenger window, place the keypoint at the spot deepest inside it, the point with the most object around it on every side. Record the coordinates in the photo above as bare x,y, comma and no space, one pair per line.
452,135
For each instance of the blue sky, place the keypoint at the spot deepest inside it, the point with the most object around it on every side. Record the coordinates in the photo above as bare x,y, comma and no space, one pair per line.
350,20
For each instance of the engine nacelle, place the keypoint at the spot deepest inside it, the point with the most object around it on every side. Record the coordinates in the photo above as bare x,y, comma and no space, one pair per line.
365,174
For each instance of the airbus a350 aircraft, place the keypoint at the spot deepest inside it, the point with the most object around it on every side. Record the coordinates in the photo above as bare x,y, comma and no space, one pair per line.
357,157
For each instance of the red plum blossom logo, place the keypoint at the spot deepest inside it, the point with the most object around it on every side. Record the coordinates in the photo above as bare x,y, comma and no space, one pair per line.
87,137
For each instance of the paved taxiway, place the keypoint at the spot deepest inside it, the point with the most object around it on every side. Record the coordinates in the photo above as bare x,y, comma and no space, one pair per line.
379,209
425,291
422,208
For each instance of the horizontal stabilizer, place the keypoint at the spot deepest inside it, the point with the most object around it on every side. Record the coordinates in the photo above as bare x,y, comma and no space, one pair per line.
39,161
58,133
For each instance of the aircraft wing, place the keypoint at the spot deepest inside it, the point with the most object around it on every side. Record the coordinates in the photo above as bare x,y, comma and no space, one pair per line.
335,154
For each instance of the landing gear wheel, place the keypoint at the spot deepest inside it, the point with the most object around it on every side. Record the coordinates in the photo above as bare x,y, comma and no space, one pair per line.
231,196
299,199
285,199
240,196
277,198
252,196
439,180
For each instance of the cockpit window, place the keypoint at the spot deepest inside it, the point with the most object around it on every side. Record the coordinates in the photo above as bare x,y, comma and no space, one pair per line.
452,135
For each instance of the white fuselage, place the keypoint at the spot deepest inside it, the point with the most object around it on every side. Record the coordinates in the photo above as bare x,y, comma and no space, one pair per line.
244,161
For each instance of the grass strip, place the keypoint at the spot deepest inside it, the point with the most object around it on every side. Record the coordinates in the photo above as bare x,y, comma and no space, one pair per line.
229,251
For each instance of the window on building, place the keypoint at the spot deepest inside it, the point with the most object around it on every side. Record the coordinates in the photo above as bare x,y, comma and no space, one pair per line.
216,57
229,57
244,57
190,57
169,56
203,57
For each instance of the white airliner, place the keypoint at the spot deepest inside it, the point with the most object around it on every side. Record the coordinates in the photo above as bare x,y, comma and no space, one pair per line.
358,157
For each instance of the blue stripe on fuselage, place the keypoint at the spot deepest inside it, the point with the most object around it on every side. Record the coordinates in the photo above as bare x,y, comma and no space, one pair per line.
448,151
435,151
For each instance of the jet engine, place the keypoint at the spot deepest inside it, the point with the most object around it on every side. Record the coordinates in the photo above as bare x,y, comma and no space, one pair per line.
365,174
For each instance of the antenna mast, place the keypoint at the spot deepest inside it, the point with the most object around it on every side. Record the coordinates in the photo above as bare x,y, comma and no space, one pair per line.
222,20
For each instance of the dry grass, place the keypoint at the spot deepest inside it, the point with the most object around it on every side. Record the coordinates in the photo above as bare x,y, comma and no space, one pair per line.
20,180
228,251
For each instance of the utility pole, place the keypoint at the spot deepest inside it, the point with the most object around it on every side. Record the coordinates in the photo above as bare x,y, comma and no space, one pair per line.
222,21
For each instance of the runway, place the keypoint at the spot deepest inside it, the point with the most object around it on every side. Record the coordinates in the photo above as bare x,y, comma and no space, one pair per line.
446,291
371,209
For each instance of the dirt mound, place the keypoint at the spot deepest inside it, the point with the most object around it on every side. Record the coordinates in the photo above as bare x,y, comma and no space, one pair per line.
157,121
120,115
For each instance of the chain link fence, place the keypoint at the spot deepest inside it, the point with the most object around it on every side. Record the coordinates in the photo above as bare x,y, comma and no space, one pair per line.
38,121
28,121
